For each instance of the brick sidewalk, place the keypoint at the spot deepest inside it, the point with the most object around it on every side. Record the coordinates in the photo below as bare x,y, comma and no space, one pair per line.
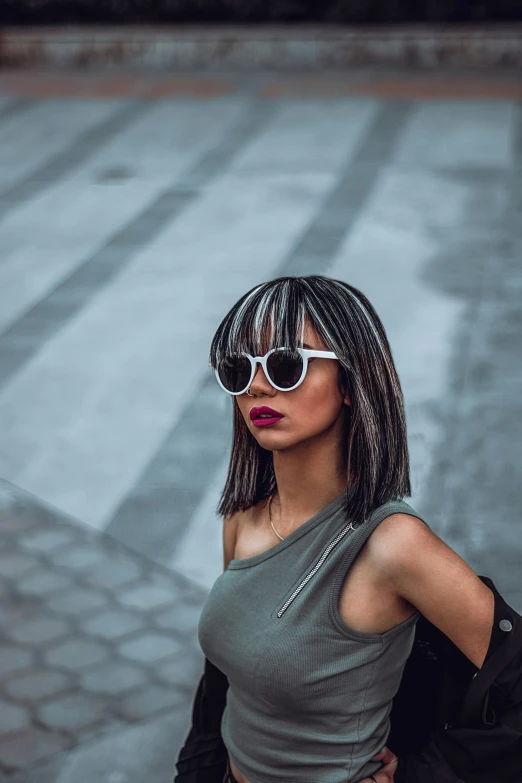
93,636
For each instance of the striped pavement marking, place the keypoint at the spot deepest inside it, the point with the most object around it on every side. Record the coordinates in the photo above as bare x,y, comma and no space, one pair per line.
176,480
54,168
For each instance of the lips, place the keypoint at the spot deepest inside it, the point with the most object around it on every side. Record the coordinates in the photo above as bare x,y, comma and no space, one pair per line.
255,413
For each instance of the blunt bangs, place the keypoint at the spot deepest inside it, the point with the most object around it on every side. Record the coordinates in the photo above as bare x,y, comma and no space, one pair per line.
266,317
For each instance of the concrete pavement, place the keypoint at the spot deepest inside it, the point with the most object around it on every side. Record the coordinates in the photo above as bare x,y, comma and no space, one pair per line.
135,209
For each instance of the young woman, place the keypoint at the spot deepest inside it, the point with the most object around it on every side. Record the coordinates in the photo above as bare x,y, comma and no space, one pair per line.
327,568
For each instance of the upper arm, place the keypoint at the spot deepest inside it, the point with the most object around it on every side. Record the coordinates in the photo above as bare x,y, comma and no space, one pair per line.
429,574
229,537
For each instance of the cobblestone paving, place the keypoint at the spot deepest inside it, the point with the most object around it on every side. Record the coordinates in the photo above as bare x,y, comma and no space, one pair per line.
94,637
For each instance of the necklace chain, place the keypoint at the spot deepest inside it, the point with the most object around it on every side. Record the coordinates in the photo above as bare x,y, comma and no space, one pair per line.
270,517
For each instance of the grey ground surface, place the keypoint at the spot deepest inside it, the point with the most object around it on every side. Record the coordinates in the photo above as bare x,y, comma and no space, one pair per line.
128,227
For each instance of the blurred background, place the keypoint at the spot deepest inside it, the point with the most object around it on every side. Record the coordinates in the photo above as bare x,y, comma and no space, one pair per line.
157,160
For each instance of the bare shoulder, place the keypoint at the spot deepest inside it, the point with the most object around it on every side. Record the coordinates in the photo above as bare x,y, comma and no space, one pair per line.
399,537
401,526
237,524
422,569
420,565
230,527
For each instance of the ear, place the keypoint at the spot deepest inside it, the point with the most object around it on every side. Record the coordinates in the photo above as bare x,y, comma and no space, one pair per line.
346,400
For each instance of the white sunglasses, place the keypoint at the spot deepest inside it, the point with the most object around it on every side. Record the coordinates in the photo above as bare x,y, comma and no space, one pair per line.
284,368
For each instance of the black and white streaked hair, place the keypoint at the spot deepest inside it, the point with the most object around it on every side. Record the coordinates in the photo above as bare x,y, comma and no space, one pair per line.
375,448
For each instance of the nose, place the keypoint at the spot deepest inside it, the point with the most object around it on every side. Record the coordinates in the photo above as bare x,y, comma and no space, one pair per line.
260,383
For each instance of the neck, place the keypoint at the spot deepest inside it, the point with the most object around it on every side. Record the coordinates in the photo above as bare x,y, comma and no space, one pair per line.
308,479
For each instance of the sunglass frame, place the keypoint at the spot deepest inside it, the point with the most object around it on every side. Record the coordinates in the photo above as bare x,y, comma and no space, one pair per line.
306,353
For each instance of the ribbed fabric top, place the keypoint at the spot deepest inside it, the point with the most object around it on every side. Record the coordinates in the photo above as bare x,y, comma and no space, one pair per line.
309,697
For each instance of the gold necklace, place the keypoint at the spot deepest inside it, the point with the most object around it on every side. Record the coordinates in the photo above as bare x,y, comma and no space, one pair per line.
270,517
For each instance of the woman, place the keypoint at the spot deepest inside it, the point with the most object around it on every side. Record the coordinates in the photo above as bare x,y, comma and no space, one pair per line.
326,567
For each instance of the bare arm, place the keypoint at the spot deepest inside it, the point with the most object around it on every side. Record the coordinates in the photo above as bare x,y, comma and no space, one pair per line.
421,568
429,574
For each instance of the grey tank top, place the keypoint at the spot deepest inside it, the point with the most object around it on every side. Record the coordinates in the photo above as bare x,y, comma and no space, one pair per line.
309,697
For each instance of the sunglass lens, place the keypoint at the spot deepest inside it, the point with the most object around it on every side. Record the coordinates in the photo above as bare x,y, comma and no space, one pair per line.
234,373
285,367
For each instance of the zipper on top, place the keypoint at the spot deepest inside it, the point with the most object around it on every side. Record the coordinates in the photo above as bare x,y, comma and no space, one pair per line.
316,567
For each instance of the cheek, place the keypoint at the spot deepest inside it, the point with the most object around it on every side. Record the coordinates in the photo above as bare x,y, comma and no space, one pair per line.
320,399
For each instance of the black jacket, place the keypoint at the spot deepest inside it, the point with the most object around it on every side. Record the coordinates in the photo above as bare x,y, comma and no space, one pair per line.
450,722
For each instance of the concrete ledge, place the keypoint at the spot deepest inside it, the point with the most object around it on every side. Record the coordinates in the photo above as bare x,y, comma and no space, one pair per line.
263,46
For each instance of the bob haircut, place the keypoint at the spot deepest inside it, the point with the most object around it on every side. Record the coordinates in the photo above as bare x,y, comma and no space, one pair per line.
375,448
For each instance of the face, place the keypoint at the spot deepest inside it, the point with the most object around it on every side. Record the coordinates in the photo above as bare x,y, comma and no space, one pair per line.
311,410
